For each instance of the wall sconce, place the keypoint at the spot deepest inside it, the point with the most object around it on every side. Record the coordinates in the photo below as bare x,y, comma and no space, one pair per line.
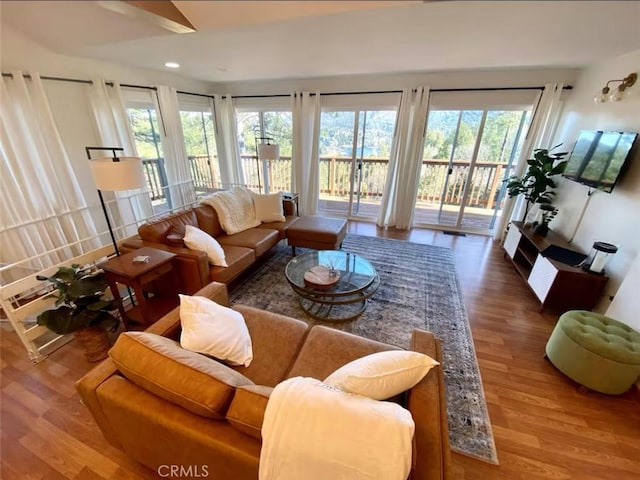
606,95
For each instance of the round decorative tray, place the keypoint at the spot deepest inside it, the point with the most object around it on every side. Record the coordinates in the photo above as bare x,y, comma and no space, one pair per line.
321,277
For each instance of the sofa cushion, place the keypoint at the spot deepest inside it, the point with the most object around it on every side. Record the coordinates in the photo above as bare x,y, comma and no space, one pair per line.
281,227
193,381
208,220
382,375
276,340
246,411
259,239
214,330
158,230
327,349
238,260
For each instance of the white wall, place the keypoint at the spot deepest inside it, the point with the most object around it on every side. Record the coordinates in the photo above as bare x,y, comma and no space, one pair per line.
615,217
18,52
363,83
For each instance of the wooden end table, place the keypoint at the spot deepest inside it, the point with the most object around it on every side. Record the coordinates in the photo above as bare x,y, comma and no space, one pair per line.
148,307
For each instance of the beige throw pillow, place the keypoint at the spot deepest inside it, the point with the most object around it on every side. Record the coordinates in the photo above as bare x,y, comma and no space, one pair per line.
382,375
214,330
196,239
269,207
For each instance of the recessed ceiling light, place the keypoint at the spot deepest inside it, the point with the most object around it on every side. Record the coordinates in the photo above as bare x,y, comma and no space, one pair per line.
172,65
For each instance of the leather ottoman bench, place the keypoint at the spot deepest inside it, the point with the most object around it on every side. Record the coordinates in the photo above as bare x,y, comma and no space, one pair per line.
319,233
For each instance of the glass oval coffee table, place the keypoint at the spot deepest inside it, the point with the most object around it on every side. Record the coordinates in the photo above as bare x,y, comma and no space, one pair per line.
347,297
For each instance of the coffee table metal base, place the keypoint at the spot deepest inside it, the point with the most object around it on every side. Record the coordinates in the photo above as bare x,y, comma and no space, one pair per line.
335,308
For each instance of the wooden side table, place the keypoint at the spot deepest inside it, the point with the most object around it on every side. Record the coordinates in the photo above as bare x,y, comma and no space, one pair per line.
290,203
149,307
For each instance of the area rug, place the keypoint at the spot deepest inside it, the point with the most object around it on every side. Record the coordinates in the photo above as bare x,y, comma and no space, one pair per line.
418,289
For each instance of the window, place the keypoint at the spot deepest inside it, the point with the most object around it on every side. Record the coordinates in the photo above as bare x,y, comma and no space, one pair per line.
273,122
199,139
144,126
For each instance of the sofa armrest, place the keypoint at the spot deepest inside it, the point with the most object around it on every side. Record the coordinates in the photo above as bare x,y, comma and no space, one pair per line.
427,404
87,387
192,265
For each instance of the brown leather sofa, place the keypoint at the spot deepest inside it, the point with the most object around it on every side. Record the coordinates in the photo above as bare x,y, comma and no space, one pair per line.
241,249
215,425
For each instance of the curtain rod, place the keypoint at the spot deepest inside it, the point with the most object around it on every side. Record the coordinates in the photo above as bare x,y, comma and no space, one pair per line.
128,85
479,89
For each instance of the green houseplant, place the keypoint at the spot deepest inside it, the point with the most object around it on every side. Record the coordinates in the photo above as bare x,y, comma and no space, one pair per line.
548,213
81,309
536,184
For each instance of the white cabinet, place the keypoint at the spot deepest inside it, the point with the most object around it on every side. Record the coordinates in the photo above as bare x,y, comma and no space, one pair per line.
542,277
512,241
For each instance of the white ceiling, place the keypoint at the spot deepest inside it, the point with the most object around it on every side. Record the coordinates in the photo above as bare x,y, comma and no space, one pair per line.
239,41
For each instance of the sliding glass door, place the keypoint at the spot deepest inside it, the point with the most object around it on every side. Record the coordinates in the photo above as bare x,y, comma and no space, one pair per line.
467,156
354,156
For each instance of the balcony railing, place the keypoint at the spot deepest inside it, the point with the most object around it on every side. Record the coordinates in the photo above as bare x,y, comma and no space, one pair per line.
335,178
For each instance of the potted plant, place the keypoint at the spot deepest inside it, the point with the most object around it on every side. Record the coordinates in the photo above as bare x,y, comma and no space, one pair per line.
81,309
536,184
548,213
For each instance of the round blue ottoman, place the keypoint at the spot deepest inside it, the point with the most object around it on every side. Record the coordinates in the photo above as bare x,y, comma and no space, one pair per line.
596,351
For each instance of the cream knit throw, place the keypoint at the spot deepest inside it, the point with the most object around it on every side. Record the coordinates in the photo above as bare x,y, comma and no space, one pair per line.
235,209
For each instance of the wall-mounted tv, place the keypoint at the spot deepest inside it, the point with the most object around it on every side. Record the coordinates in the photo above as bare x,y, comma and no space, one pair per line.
599,158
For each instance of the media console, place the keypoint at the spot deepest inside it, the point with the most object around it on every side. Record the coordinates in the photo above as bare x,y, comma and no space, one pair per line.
548,265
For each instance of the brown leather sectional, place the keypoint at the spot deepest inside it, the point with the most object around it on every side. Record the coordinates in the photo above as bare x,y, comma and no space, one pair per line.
241,249
166,406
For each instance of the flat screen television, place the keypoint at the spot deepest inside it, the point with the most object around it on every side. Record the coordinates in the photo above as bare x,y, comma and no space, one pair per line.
598,158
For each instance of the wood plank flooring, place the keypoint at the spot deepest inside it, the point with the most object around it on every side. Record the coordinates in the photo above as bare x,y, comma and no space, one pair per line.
544,427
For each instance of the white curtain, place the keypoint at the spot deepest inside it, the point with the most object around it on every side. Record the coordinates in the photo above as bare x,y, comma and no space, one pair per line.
227,141
401,186
43,207
305,109
115,131
181,189
540,134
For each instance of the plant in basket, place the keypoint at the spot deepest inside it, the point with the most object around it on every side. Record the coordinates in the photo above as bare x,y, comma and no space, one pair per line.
81,309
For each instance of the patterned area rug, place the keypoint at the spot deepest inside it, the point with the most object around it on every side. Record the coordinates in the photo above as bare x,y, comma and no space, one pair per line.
418,289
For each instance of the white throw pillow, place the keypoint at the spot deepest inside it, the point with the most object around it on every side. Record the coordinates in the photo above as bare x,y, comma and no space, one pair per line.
196,239
214,330
382,375
269,207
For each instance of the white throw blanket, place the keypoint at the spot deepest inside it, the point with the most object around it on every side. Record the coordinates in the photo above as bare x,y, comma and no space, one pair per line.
235,209
312,431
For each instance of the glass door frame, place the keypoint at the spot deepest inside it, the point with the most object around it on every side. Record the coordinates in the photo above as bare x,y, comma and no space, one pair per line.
526,111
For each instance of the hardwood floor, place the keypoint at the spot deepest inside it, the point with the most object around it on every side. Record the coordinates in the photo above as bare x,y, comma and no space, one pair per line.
544,427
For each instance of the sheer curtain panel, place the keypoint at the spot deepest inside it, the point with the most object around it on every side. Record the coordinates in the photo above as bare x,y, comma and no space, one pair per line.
226,140
181,188
114,131
44,215
541,131
401,186
305,109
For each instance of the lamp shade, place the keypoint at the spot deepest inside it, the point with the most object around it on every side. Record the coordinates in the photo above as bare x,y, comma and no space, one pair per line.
123,173
268,151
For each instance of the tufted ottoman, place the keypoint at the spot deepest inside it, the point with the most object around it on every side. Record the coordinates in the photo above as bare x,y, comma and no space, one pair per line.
595,351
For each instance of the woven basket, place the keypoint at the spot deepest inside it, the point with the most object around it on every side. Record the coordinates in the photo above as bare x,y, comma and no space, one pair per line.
94,341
